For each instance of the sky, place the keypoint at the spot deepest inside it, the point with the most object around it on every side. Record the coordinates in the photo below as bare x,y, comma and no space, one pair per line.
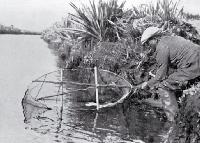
38,15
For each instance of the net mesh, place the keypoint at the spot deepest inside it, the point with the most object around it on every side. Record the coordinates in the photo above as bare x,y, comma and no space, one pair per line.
77,86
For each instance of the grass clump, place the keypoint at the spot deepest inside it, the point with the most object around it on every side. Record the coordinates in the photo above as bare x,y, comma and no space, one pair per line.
188,120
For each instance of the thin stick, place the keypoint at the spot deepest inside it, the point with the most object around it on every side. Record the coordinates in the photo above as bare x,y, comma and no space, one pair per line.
41,86
97,90
85,84
61,76
95,121
50,96
63,82
64,93
61,109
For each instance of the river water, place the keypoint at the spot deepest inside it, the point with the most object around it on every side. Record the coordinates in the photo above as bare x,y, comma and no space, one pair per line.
23,59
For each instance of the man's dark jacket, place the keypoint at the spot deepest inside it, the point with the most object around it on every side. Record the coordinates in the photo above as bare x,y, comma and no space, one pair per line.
179,53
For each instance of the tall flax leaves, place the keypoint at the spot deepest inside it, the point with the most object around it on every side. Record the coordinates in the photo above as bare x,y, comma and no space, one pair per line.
98,22
169,10
164,9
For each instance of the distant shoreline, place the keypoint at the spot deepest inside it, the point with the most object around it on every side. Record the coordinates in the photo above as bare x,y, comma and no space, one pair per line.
13,33
13,30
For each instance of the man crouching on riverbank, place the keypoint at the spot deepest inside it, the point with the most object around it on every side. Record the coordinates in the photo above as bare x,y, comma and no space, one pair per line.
171,52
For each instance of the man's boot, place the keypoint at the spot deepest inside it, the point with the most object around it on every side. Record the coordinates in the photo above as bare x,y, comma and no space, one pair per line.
169,103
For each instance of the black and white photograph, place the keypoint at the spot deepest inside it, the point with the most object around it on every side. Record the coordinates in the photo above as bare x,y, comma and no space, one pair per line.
99,71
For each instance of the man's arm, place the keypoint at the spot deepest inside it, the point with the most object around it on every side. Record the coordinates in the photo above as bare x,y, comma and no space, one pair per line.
162,59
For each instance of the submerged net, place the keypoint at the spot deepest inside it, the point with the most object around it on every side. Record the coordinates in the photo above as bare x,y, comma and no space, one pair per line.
74,86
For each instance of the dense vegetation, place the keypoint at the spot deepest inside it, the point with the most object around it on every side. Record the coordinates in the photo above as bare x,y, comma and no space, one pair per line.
107,36
99,27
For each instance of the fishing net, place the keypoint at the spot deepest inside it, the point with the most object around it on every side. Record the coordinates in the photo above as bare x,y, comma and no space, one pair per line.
73,87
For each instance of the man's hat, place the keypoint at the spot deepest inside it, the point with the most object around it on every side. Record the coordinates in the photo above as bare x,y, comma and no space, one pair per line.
149,32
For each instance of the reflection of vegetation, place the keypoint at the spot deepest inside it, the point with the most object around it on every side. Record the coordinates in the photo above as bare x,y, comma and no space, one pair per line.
12,30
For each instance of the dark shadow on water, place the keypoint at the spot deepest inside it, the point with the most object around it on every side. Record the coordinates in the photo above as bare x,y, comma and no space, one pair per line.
128,122
125,122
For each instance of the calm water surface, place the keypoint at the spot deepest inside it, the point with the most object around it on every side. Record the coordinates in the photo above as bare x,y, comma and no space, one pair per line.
23,59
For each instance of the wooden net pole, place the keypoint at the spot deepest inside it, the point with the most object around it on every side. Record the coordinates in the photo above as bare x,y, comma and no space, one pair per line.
97,90
62,101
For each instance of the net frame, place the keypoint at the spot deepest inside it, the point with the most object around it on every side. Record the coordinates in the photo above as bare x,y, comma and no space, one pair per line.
97,85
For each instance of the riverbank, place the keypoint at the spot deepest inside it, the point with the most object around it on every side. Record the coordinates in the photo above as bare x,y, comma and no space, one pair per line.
12,30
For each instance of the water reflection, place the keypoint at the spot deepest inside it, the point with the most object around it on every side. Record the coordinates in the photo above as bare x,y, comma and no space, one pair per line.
144,123
125,122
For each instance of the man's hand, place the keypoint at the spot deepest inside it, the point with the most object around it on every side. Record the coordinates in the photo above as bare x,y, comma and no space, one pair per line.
143,85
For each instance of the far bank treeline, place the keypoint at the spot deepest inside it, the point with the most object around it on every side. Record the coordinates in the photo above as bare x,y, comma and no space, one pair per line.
13,30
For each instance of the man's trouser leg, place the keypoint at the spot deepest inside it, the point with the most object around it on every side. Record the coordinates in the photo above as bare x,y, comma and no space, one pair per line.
169,103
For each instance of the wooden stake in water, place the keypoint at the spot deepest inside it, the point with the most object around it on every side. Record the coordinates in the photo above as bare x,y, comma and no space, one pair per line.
62,100
97,90
61,78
